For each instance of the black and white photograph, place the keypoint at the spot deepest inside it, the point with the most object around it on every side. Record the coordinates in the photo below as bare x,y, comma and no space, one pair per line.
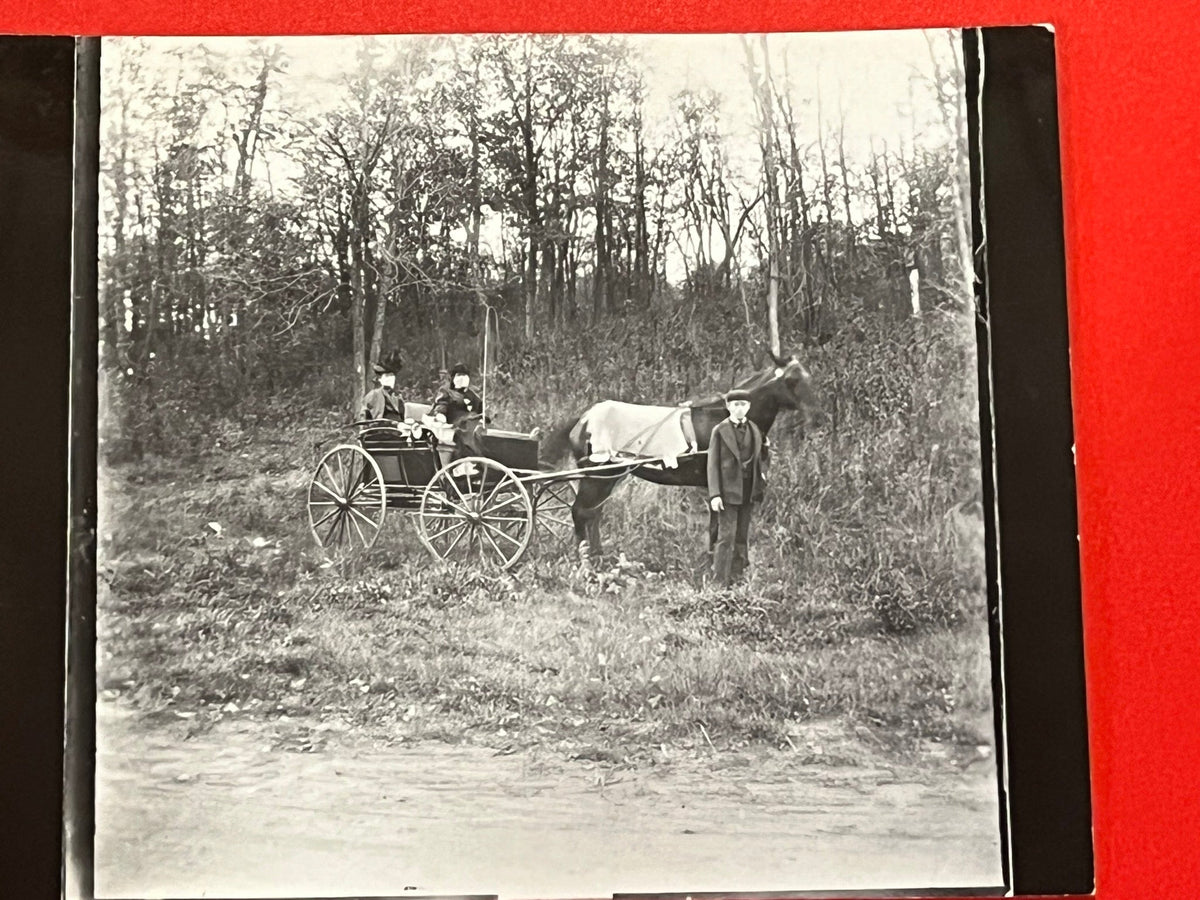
541,466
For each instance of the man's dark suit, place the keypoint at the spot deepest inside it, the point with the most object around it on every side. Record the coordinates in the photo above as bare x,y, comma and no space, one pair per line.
735,474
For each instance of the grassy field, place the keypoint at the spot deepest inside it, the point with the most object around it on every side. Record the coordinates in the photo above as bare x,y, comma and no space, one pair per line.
866,608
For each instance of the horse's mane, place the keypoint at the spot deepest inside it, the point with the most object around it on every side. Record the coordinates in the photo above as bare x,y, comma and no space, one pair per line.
749,383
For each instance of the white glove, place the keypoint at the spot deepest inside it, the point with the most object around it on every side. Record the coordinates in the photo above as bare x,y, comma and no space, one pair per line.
717,504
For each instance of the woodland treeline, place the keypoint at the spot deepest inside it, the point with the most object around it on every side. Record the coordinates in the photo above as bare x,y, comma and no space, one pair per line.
247,243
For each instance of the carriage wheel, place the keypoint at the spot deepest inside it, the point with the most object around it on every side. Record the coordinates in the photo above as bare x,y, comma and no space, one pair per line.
475,506
347,501
552,502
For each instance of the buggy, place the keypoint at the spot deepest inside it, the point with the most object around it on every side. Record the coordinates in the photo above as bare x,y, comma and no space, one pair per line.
493,506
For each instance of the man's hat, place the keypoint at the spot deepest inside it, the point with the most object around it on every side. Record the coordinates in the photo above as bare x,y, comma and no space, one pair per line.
737,395
381,369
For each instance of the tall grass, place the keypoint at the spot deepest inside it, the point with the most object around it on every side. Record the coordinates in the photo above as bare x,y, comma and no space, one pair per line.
865,603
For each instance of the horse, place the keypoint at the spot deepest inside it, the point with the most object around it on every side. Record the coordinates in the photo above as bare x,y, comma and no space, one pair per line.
610,431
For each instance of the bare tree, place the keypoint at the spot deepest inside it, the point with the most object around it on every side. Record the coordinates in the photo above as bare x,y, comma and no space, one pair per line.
764,95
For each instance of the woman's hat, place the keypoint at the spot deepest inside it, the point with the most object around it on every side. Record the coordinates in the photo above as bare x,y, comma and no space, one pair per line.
460,369
389,365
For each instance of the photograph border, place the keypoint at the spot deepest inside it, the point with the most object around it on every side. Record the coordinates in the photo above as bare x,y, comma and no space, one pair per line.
1012,657
1029,469
1045,827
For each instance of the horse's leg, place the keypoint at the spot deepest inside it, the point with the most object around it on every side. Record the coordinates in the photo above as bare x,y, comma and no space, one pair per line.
585,513
594,535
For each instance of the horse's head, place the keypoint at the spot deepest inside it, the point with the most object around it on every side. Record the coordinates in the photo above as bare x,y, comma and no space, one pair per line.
790,385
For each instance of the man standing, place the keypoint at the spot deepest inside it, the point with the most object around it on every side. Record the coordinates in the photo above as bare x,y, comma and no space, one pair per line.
735,482
382,401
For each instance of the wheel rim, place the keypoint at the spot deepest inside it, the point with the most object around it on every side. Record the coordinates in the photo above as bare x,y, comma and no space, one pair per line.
347,502
554,526
475,507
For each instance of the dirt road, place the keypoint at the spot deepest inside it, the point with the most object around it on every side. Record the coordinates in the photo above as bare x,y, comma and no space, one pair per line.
229,813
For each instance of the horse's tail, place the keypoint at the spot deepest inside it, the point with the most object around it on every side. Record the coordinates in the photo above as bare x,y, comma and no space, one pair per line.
558,443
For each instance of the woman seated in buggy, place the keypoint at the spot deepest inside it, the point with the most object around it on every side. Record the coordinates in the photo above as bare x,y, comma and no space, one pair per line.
382,401
454,423
460,407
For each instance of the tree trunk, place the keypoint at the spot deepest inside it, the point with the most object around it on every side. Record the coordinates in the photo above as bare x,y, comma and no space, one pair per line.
850,236
641,258
827,255
358,300
601,279
113,332
247,141
387,283
962,196
572,263
531,200
766,104
475,223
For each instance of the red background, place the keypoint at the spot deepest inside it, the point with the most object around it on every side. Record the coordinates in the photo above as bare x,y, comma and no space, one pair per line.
1130,134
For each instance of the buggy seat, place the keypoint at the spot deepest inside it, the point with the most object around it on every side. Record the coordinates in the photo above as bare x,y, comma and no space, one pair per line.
515,449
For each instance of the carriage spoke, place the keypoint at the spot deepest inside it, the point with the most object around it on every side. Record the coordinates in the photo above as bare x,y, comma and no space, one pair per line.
330,476
330,530
500,553
517,535
360,484
325,518
466,528
370,522
472,489
500,531
449,528
333,535
361,536
477,540
366,485
553,520
459,510
457,490
369,497
346,493
515,498
444,515
504,518
344,537
495,488
478,508
345,482
328,491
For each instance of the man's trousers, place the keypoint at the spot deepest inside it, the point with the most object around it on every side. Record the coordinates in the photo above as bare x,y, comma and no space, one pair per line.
728,540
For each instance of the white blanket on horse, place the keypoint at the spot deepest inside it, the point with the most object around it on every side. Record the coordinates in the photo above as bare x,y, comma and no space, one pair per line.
615,429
